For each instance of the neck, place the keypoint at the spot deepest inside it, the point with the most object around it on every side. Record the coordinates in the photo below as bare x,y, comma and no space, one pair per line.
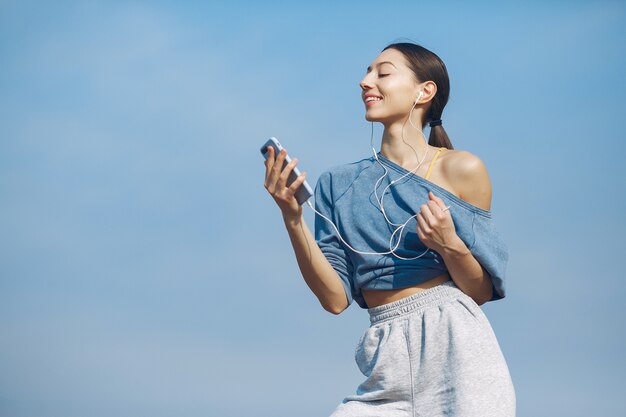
394,144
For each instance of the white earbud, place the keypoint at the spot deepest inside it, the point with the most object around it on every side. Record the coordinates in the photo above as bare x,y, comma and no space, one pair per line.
419,97
396,235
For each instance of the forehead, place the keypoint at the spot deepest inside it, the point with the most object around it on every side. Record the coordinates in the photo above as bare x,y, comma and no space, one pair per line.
391,56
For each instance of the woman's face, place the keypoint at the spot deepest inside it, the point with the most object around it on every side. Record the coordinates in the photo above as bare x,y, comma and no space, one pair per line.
389,88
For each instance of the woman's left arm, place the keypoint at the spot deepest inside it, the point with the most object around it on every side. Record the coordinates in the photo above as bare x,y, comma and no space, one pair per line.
436,229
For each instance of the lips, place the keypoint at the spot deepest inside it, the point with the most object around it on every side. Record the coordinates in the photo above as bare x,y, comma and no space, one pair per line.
371,98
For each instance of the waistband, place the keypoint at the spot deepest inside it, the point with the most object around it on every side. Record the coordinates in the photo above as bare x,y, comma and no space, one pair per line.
418,301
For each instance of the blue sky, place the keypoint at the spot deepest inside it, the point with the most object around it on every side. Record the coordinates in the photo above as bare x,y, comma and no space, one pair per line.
144,271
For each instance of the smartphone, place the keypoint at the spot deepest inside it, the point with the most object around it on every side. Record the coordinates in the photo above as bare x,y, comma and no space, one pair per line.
304,192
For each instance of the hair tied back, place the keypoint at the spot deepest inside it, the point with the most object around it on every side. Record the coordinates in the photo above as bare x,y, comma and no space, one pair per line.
434,123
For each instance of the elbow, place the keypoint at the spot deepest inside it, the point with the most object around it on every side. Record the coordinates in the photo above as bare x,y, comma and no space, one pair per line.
334,308
481,300
483,297
485,289
335,303
335,311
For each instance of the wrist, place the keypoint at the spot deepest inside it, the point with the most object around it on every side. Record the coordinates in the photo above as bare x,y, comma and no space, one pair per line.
293,220
455,249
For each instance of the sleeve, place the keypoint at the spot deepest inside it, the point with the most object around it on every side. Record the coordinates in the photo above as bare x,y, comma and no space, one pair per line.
326,235
491,252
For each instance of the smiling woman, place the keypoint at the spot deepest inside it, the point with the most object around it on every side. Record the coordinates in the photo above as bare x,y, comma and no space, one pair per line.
429,350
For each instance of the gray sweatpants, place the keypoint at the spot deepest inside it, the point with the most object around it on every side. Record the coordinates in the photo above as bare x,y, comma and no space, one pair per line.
430,354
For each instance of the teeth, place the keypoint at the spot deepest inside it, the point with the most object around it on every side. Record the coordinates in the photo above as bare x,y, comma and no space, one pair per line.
372,99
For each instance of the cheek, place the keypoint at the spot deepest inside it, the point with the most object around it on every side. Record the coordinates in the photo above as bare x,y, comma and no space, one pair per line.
399,93
400,102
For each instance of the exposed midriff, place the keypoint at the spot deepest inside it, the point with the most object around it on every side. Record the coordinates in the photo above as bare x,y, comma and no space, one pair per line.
375,298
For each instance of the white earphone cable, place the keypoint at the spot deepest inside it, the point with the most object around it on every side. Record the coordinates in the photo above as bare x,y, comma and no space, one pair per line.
400,226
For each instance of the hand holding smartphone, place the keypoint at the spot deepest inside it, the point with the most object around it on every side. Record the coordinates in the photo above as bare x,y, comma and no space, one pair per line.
304,191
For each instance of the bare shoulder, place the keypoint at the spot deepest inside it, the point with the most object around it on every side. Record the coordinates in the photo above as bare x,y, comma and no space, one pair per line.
468,175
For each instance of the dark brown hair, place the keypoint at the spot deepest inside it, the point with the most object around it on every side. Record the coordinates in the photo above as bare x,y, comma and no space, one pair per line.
429,67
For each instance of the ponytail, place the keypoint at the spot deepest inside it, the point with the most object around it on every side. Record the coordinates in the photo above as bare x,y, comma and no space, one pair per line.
438,137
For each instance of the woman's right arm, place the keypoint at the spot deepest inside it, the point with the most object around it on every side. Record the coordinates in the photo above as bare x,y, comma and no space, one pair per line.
317,272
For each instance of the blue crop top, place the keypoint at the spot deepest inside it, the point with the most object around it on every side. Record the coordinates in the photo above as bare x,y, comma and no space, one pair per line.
345,194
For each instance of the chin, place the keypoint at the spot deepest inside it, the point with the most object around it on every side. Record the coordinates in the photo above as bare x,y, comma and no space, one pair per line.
373,118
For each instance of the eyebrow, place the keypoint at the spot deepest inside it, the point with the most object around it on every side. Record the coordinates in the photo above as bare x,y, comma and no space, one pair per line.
381,63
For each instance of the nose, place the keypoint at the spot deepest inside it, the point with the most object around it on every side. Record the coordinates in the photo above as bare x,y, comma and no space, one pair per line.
365,83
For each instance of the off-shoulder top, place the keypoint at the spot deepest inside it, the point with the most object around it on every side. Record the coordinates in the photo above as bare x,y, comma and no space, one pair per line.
345,194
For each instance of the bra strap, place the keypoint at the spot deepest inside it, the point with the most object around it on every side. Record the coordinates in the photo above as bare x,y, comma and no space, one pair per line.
430,167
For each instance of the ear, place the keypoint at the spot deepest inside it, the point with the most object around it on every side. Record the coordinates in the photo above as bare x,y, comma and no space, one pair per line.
429,88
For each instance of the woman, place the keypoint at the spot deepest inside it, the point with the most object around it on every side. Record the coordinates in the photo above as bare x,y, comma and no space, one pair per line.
408,233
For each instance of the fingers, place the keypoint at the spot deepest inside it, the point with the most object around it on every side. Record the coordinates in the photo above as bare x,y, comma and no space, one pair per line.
284,176
431,216
269,163
434,210
276,177
439,203
274,168
427,212
435,198
423,231
297,183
